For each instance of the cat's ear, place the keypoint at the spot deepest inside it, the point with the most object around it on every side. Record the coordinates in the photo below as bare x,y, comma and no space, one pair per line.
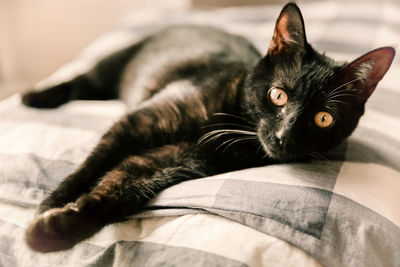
364,73
289,34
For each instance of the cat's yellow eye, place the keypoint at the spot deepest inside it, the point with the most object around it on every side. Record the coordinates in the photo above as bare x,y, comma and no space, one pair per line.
323,119
278,97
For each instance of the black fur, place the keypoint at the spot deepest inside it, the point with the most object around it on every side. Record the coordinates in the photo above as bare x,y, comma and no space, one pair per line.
199,105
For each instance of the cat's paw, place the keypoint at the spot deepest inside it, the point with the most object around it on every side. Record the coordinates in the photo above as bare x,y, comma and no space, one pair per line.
49,98
59,229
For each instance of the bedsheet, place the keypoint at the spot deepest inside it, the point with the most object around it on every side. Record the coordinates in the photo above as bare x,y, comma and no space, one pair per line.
338,210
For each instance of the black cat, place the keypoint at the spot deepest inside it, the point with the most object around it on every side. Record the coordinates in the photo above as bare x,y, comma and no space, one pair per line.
202,101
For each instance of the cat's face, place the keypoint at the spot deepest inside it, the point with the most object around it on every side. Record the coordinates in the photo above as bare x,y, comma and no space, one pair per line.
302,101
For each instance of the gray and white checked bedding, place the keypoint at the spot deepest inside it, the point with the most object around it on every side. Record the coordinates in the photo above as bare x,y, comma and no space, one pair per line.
340,211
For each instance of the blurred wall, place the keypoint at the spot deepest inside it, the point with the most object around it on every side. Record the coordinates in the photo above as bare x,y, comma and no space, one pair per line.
225,3
38,36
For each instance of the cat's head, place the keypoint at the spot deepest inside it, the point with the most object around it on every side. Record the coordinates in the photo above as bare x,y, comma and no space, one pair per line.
302,101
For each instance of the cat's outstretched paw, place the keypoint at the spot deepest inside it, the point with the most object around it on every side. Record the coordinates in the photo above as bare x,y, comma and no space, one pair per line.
59,229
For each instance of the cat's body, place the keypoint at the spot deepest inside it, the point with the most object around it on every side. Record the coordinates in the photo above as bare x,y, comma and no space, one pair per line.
201,102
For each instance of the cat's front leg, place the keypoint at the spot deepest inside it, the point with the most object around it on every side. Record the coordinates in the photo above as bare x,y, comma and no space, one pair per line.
121,192
112,148
161,120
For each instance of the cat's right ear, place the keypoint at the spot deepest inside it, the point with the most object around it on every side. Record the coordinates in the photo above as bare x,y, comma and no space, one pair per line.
289,34
364,73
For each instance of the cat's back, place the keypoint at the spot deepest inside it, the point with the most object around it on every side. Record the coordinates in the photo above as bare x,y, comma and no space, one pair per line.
194,41
182,52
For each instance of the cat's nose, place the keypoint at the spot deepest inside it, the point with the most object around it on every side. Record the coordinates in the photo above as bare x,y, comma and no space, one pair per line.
278,141
278,138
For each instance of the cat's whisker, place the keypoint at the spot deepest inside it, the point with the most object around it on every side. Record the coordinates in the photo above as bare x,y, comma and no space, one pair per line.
344,90
210,136
213,138
323,157
338,91
341,95
233,141
341,86
331,109
229,124
259,148
350,93
234,116
218,133
265,155
336,101
318,156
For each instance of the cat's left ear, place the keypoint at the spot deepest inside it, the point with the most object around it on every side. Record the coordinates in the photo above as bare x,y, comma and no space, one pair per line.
289,34
365,72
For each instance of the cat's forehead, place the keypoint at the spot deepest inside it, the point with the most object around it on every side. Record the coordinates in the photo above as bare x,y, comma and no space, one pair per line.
309,77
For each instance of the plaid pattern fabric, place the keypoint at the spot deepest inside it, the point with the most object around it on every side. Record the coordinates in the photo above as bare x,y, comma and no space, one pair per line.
339,212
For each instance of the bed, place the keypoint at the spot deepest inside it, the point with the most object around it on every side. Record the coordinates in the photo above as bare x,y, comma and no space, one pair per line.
342,209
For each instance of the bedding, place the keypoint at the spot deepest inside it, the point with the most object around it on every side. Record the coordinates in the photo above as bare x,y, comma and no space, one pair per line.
340,209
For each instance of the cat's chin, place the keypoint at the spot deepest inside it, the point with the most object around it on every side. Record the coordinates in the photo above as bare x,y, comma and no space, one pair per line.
278,154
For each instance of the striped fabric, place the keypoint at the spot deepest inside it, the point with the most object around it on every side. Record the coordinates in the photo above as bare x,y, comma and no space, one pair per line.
340,211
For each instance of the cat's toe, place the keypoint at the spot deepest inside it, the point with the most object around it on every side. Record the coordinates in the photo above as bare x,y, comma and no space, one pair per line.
57,229
42,100
31,99
42,234
49,98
